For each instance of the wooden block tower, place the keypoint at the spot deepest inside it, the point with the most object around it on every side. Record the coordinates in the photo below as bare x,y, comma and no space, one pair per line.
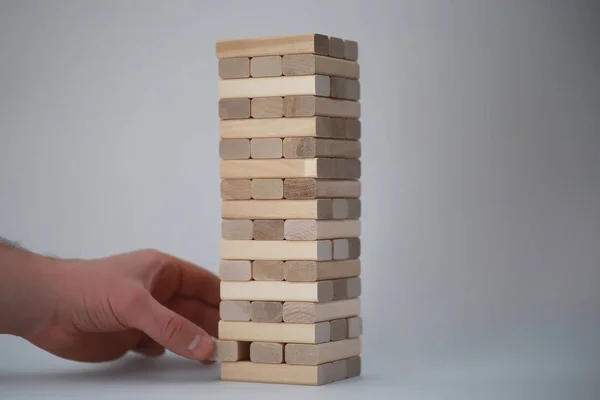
290,171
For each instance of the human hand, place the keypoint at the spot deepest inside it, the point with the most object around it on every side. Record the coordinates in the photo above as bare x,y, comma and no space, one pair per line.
143,301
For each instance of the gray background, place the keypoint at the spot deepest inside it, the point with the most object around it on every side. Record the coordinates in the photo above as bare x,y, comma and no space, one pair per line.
481,177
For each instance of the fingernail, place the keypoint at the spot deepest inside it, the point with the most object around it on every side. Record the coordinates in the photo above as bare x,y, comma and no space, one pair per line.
201,346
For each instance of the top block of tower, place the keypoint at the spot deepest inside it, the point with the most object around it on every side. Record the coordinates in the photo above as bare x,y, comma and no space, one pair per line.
316,43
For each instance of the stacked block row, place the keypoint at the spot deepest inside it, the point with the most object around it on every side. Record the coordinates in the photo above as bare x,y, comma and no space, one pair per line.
290,187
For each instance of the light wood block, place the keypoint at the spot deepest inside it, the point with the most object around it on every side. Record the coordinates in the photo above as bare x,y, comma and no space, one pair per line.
235,270
229,350
346,288
317,250
234,108
267,270
318,85
273,45
266,311
275,127
267,189
234,310
353,129
284,374
337,48
346,208
317,292
355,327
314,271
274,332
236,189
308,64
310,313
268,229
339,329
347,248
277,209
311,188
236,229
232,68
266,148
315,354
305,105
266,353
264,66
310,229
344,88
234,149
266,107
353,366
351,50
328,168
310,147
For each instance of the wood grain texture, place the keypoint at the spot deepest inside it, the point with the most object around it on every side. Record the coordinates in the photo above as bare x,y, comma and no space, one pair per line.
233,68
310,229
313,43
274,332
236,229
229,350
318,85
267,352
235,270
234,108
266,311
236,189
266,107
266,189
284,374
346,288
277,209
310,147
307,64
277,291
234,310
347,248
344,88
264,148
315,354
311,188
306,105
316,250
313,271
309,313
275,127
268,229
264,66
346,208
327,168
267,270
234,149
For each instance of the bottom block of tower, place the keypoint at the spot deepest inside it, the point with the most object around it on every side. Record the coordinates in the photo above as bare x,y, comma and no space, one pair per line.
311,375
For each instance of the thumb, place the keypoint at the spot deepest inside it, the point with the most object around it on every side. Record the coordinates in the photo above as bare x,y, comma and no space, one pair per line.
169,329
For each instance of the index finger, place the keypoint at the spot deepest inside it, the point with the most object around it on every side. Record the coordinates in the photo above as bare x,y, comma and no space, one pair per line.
198,282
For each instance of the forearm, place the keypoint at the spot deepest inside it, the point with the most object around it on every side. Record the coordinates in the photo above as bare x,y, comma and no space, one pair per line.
26,293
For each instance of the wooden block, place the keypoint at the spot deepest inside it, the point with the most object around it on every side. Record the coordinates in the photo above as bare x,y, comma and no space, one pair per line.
346,208
266,352
347,288
328,168
310,313
352,129
234,310
267,270
310,147
229,350
318,85
305,105
274,332
267,189
266,148
351,50
266,311
266,107
348,248
307,64
339,329
277,291
277,209
284,374
337,48
268,229
235,270
313,43
310,229
236,229
311,188
313,271
263,66
275,127
344,88
315,354
232,68
353,367
355,327
338,128
234,108
232,149
236,189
